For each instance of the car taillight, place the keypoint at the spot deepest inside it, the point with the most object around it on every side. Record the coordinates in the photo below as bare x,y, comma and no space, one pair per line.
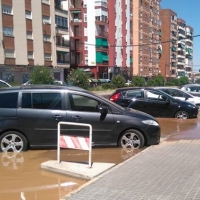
115,97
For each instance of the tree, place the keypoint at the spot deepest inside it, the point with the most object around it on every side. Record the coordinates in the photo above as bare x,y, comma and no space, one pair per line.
138,81
198,80
118,81
175,81
183,80
41,75
78,78
159,80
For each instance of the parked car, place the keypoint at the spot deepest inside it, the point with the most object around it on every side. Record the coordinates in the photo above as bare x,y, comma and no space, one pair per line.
193,89
180,94
29,116
56,82
154,102
4,84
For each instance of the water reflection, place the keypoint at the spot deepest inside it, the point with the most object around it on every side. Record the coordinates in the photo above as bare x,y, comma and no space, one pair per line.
12,160
22,178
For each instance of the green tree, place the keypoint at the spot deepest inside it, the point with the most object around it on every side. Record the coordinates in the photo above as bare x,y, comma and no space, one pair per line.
184,80
118,81
138,81
159,80
41,75
78,78
175,81
198,80
150,83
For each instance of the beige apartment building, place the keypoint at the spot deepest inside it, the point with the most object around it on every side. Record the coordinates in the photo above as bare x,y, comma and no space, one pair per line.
33,33
147,47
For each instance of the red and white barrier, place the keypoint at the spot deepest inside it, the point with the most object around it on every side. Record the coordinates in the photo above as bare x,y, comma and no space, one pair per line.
74,142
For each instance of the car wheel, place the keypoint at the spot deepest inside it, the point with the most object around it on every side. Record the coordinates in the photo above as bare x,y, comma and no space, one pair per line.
13,141
182,115
131,139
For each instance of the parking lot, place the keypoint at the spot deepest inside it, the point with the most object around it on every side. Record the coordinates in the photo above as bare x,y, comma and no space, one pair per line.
22,178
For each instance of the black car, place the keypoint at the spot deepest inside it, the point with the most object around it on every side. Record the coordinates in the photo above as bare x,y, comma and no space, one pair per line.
154,102
29,116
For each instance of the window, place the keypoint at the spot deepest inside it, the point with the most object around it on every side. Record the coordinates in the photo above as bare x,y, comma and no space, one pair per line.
30,55
6,9
28,14
47,38
29,35
61,22
46,19
138,94
83,103
154,95
9,53
7,31
43,101
47,56
8,100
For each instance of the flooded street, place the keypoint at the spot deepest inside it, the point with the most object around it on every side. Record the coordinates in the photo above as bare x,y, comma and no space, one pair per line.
22,178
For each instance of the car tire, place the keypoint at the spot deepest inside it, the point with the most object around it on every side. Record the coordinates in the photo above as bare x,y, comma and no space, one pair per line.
13,141
182,115
131,139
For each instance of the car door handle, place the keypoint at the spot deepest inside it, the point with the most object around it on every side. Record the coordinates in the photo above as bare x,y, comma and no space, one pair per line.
57,117
76,117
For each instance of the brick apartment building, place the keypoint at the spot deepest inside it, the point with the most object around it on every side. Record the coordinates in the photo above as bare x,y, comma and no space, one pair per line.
177,45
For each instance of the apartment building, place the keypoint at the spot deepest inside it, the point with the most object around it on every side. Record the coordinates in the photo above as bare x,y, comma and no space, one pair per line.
120,37
88,30
168,60
177,45
29,36
147,47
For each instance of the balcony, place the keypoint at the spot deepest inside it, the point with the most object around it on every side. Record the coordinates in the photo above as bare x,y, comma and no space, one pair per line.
173,49
102,34
102,58
101,44
76,20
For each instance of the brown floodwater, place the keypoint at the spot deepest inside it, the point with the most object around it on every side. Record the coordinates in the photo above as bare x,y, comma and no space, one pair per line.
22,179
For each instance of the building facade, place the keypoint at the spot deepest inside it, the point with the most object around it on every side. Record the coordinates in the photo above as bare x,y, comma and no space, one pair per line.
147,47
29,38
177,43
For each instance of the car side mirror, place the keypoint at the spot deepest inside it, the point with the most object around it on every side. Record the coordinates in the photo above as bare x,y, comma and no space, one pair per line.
167,101
103,109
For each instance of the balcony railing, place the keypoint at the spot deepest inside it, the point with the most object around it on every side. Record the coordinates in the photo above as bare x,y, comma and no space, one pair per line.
76,20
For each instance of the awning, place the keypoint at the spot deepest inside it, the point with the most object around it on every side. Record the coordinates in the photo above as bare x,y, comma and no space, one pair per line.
101,57
105,57
173,48
75,11
101,42
62,52
131,60
104,42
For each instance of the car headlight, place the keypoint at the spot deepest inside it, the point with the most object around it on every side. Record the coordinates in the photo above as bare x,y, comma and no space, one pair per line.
150,122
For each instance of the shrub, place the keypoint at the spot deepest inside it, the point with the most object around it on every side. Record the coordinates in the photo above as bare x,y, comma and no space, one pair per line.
159,81
169,84
107,86
150,83
198,80
41,75
78,78
118,81
176,81
138,81
184,80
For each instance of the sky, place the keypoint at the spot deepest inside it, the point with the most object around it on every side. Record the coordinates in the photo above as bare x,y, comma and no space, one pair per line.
188,10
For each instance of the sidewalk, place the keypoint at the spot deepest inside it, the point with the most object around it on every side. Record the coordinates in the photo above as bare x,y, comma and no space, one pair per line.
168,171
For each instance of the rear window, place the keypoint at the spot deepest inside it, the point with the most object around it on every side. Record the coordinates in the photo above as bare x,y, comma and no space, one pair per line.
8,100
42,101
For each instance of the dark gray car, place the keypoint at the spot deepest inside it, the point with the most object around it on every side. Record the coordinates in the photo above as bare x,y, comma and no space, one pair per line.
29,116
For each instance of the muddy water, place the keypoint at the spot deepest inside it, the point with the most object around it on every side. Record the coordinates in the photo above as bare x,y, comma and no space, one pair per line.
22,179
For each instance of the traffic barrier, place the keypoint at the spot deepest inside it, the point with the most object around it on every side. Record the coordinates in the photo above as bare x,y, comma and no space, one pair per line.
74,142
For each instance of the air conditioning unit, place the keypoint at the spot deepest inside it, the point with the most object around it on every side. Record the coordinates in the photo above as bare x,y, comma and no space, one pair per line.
85,6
